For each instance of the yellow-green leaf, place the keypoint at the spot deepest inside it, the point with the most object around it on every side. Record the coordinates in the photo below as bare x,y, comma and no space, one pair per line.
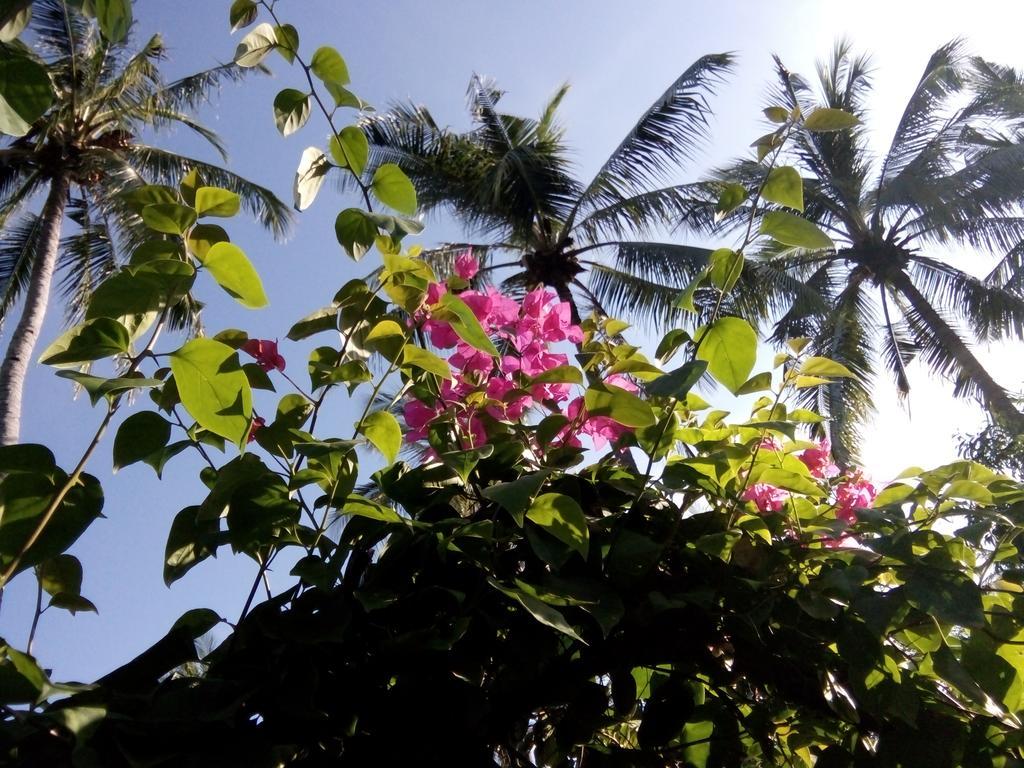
393,188
382,430
233,271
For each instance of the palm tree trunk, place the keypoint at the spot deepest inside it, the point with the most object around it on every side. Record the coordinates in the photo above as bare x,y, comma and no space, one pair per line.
995,397
23,340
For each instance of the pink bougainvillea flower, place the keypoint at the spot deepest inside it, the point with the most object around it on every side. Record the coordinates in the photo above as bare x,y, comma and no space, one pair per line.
853,493
258,423
769,443
466,265
767,498
417,416
511,408
819,460
504,311
265,352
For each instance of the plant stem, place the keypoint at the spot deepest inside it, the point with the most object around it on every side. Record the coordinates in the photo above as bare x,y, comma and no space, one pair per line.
54,505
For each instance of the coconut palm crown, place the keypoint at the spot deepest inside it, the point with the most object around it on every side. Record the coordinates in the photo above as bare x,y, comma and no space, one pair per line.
509,180
83,154
953,175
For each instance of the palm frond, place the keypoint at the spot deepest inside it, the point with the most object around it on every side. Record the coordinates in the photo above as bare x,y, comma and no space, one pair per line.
990,311
844,336
159,166
669,132
87,257
944,350
18,246
925,115
684,206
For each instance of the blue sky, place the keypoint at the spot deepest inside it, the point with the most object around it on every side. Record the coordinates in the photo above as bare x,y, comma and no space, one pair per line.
618,57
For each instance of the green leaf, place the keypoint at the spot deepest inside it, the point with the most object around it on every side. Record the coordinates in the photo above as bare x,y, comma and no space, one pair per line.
791,230
350,149
822,366
213,388
214,201
202,237
541,611
291,110
115,18
14,17
325,319
255,46
785,187
724,268
757,383
563,518
826,119
969,490
26,457
618,405
357,505
462,320
382,430
356,232
309,177
287,41
560,374
729,345
776,114
517,495
72,603
62,573
189,542
91,340
684,300
785,479
169,218
233,271
948,599
393,188
148,287
140,435
329,66
730,199
678,382
427,361
25,499
25,93
99,387
242,14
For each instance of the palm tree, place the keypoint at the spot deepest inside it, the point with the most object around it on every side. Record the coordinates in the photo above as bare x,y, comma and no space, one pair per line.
953,175
84,152
510,181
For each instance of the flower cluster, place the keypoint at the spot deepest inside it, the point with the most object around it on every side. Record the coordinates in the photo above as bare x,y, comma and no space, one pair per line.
484,390
852,491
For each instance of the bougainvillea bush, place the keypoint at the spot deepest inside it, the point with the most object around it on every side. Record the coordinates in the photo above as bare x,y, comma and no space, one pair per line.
568,556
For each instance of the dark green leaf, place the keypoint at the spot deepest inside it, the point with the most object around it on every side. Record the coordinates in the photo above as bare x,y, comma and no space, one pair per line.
25,93
139,436
291,110
356,232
